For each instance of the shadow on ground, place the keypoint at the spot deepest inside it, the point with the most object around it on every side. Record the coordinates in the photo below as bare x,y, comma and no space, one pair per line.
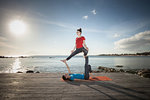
113,87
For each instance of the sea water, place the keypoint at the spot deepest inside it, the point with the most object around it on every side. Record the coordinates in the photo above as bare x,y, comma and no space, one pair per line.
46,64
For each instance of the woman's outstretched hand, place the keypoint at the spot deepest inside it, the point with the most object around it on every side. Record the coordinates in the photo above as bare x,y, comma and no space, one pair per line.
87,48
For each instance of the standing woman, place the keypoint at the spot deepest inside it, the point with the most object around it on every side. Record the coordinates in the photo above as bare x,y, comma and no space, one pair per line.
80,46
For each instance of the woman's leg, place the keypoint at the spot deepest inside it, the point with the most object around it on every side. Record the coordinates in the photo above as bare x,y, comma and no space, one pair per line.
86,73
74,53
85,51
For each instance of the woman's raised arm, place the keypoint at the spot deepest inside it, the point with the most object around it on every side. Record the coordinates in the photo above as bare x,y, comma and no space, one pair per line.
84,44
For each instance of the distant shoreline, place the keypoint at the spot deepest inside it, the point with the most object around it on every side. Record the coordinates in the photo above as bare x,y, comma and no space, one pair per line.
127,54
123,55
67,55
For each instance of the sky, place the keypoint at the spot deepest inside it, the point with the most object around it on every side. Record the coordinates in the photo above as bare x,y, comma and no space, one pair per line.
109,26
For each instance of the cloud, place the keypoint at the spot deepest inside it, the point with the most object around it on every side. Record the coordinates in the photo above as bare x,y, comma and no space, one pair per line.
116,35
65,25
68,25
4,43
94,12
3,38
140,41
85,17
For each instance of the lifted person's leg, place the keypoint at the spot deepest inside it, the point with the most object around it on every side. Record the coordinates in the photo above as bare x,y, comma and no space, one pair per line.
85,52
72,54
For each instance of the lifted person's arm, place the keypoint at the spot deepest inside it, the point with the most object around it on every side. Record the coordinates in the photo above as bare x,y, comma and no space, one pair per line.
85,46
73,48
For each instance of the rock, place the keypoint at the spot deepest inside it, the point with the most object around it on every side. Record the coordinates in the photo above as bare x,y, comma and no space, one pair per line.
131,71
112,70
146,75
37,72
143,71
121,70
119,66
101,67
19,72
106,69
30,71
95,71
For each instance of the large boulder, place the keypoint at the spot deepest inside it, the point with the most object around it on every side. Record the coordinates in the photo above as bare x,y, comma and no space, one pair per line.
144,73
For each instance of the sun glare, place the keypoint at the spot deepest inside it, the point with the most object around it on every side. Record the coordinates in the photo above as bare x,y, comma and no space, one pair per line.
17,27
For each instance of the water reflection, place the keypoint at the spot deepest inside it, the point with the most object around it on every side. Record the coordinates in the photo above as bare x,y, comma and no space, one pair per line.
76,64
16,66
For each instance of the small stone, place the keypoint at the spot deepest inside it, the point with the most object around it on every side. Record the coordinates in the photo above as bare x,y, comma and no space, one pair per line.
30,71
37,72
119,66
19,72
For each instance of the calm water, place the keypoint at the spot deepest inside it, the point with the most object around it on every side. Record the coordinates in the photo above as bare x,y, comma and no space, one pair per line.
76,64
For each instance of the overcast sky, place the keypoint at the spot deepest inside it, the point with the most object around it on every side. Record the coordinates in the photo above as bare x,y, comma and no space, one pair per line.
109,26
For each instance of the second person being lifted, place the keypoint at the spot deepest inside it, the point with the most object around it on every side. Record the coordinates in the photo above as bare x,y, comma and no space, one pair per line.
80,46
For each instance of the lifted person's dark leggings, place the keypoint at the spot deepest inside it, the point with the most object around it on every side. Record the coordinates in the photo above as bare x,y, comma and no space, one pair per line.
78,50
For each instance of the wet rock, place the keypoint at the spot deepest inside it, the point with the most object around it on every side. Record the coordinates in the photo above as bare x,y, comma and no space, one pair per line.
143,72
30,71
121,70
146,75
131,71
112,70
106,69
95,71
19,72
140,72
37,72
101,67
118,66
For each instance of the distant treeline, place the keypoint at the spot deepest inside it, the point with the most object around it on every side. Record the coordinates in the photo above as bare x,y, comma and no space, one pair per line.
13,57
127,54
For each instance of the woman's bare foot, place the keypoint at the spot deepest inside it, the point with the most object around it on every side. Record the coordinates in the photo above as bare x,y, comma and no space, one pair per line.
64,60
84,56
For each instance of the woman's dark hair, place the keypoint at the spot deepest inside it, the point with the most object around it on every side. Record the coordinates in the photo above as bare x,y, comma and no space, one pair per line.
79,30
64,78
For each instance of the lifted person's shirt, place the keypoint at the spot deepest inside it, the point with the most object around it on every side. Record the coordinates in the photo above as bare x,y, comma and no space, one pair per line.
76,76
79,42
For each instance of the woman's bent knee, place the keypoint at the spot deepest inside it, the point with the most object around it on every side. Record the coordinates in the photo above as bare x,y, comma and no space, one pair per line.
85,52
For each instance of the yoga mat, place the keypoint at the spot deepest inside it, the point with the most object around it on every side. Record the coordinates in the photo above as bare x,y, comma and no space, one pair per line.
96,78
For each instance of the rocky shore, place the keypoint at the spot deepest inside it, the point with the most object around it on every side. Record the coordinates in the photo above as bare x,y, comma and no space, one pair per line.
29,71
141,72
